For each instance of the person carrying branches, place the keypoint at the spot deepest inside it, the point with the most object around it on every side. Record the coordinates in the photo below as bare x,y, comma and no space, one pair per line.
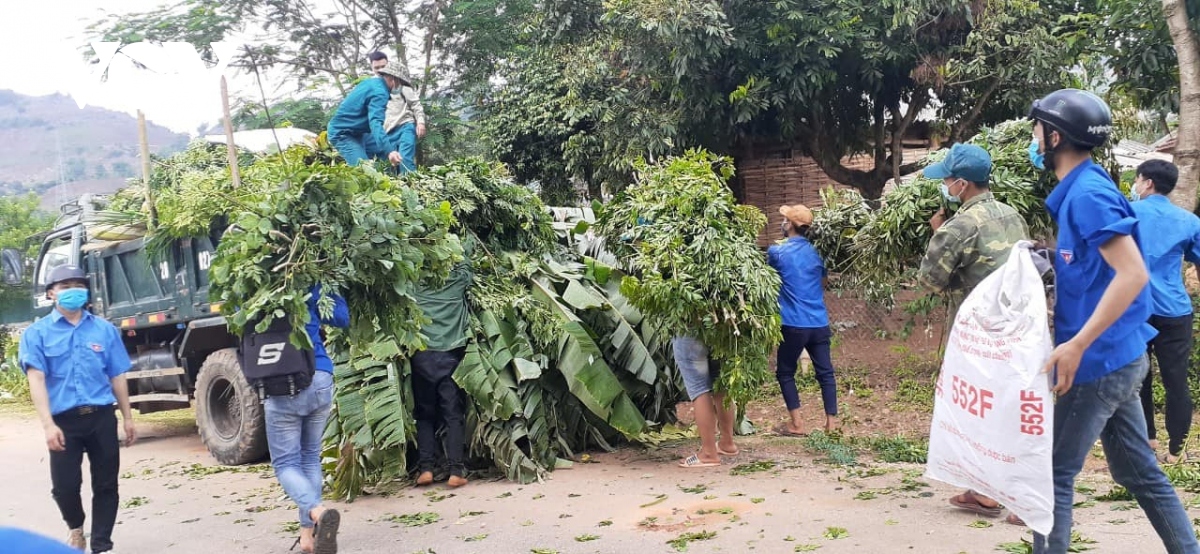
964,249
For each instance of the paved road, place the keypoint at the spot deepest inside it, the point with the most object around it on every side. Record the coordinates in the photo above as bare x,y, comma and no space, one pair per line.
172,506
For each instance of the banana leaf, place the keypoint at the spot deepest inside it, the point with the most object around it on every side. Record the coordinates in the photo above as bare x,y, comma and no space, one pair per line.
582,363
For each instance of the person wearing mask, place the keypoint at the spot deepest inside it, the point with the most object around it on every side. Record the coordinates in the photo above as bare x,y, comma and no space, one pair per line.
295,426
805,319
966,248
438,399
405,122
359,119
76,365
1170,235
1100,323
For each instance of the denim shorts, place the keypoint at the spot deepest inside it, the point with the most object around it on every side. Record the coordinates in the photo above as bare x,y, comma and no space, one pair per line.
699,373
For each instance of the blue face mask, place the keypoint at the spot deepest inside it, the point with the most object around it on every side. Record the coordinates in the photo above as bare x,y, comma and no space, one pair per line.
946,194
71,299
1036,158
1134,195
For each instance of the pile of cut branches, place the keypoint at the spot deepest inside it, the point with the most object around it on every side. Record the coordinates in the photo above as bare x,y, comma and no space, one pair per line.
694,263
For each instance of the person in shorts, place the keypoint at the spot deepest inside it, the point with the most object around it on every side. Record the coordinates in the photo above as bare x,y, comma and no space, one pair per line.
713,414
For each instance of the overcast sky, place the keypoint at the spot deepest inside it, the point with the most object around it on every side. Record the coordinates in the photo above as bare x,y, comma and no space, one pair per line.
40,53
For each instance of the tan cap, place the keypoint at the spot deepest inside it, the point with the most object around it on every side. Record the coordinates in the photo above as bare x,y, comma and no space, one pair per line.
397,70
799,214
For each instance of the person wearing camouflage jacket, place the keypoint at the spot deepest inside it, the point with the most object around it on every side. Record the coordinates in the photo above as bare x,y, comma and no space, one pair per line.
965,248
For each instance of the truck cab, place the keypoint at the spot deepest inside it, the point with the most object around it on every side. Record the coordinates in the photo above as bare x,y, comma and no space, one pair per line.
177,340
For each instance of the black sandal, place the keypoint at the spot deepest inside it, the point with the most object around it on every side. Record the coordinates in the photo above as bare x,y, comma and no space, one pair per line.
325,532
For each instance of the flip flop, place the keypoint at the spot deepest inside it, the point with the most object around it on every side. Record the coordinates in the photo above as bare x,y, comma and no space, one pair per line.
782,430
967,501
727,453
694,461
1012,519
325,532
1168,459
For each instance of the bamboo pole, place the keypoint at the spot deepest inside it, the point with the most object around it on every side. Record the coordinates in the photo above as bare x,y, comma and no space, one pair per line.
144,141
233,158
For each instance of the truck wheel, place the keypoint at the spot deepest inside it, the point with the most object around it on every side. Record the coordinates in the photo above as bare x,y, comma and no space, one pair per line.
228,413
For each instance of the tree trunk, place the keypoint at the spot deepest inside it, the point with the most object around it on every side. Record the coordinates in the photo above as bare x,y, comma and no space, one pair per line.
1187,145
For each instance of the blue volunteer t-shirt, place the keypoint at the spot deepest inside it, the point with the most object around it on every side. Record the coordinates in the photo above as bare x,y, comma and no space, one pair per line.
79,360
1089,210
1170,234
802,295
339,318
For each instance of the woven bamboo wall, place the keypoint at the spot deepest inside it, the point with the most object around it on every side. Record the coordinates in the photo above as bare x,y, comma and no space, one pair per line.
787,178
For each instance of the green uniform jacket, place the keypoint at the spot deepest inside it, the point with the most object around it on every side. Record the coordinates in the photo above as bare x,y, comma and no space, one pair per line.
970,245
447,308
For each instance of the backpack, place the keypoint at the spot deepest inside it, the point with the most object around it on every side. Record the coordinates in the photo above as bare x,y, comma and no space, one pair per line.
272,364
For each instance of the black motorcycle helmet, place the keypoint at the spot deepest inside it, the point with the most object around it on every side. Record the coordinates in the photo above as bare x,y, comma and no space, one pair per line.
65,273
1082,118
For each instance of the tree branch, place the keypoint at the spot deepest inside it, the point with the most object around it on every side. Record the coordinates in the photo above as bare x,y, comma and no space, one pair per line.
968,121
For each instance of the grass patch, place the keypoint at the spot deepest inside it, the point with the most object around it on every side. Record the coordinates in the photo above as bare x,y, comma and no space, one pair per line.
899,449
835,449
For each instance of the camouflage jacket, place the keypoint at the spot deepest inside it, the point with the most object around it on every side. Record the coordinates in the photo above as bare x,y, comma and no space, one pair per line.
970,245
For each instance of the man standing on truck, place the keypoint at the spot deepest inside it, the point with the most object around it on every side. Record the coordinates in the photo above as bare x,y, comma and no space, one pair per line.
295,426
964,249
405,122
359,119
76,365
439,400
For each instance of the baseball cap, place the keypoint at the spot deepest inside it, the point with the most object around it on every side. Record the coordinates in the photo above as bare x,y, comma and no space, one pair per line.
798,214
965,161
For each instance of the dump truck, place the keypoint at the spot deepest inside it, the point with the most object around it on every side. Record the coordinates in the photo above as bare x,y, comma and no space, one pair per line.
181,350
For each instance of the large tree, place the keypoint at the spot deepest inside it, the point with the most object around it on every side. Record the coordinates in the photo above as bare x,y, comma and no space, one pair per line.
1153,49
833,78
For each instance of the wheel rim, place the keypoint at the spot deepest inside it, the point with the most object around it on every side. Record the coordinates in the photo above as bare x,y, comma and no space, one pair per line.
224,409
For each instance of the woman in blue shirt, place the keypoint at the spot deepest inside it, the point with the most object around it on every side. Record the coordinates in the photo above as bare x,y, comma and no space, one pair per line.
805,319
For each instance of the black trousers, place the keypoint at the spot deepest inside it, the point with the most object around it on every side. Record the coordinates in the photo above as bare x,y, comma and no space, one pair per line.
439,400
1172,348
817,342
94,433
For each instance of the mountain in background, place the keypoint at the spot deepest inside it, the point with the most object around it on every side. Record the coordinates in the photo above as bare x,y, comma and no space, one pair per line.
50,146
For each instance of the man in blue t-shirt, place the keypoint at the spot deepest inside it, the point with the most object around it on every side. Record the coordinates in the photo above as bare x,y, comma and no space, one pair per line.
76,365
360,117
1170,235
1100,323
805,319
295,426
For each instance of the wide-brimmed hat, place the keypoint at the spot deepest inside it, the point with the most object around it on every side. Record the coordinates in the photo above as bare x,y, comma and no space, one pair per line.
397,70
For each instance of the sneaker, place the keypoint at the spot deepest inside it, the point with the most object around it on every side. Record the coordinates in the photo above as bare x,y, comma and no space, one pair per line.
76,540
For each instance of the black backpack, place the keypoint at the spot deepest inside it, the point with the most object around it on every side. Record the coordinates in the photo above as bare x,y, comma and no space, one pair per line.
272,364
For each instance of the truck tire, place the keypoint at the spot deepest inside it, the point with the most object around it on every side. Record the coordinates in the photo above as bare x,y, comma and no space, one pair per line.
228,413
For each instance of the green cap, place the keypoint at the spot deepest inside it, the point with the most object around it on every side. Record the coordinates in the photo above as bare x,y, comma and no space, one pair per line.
965,161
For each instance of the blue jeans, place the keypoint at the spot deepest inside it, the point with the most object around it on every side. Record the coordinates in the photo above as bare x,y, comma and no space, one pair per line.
402,139
351,148
1110,409
295,425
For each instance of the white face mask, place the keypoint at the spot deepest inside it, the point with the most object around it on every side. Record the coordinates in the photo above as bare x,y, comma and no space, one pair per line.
946,193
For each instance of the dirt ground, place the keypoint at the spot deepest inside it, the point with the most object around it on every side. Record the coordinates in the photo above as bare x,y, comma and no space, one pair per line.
175,499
